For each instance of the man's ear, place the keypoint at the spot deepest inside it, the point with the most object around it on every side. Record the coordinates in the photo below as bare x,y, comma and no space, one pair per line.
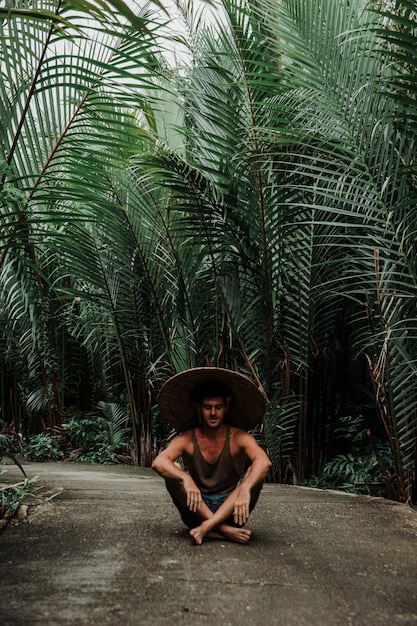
228,403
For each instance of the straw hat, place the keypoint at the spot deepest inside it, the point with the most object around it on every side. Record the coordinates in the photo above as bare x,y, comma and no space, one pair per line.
177,401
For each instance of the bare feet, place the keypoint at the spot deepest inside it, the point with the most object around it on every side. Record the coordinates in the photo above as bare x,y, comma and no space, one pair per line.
199,533
238,535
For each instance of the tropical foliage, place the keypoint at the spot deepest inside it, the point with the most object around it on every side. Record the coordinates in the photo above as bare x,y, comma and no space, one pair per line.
249,202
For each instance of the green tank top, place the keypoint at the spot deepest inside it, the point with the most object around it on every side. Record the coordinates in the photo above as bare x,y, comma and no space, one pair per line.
222,476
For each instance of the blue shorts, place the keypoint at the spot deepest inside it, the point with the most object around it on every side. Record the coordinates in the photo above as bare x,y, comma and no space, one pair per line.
213,501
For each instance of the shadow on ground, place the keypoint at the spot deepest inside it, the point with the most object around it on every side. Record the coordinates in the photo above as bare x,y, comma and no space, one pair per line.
111,550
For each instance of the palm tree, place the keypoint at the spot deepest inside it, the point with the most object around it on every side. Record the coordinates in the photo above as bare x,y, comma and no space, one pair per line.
251,207
66,131
293,184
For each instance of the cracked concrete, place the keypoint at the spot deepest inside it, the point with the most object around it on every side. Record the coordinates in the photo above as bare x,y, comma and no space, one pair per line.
111,550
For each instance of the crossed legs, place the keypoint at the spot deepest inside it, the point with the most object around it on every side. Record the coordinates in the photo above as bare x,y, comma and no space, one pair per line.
217,522
206,520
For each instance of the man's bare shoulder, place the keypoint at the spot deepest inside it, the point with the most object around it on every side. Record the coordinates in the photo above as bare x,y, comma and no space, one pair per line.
186,435
179,443
242,441
241,437
184,438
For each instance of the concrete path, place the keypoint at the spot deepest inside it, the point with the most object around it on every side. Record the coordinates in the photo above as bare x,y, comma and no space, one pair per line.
110,549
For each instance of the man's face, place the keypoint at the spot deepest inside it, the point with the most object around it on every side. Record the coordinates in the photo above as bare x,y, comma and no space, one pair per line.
213,410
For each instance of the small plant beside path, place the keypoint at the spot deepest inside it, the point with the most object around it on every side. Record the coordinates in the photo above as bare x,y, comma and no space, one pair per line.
17,499
13,497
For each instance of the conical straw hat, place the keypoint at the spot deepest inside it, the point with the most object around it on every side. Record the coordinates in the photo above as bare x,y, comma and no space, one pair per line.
176,404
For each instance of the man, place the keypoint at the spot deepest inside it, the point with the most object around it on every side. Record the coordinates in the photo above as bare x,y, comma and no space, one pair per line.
213,408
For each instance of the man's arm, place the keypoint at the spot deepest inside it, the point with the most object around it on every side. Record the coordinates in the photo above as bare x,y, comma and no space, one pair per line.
165,466
257,472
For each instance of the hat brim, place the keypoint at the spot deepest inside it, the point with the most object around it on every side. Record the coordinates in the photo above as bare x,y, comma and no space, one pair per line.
246,411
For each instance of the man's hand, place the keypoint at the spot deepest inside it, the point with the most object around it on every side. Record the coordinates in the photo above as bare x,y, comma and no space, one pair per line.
241,508
194,499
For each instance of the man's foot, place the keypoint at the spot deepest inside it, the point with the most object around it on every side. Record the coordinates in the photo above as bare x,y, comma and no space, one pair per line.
237,535
198,533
